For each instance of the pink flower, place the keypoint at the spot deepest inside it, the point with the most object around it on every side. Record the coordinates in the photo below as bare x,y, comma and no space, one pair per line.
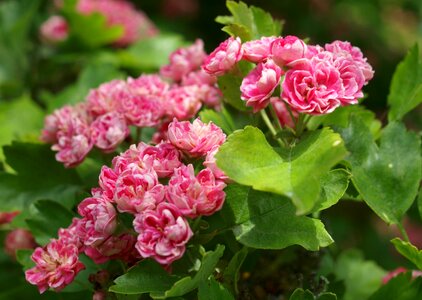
399,270
283,115
346,49
163,233
99,222
114,247
106,97
135,24
183,61
199,77
165,158
57,264
182,102
18,239
55,29
195,139
108,131
7,217
258,86
258,50
313,86
142,110
287,49
352,80
195,196
224,57
138,190
70,236
147,85
210,163
107,182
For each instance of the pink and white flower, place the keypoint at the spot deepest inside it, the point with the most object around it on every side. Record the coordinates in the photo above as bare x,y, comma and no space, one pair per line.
224,57
57,264
18,239
257,51
138,190
283,115
70,236
114,247
182,102
210,163
165,158
148,85
287,49
195,139
55,29
258,86
195,195
163,233
142,110
108,131
107,97
107,182
99,222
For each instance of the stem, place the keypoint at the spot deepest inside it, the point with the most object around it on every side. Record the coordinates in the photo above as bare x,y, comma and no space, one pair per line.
195,224
291,114
271,127
274,115
300,124
403,232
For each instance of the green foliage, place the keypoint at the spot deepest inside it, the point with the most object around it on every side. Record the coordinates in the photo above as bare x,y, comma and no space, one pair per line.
211,290
409,251
46,219
38,176
360,277
388,176
229,86
268,221
232,271
221,119
26,127
151,53
296,173
249,22
406,86
401,287
300,294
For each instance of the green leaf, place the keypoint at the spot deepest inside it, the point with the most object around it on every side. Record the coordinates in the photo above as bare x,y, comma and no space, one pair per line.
232,271
26,127
268,221
409,251
146,277
151,53
406,86
38,176
23,256
91,77
300,294
388,176
401,287
222,119
229,86
211,290
249,22
360,277
48,217
296,174
333,186
420,203
188,284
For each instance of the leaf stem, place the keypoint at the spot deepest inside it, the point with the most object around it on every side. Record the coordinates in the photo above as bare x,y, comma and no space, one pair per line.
271,127
403,231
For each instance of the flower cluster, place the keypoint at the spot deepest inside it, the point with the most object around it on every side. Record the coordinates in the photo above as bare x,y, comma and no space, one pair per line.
103,120
313,79
157,187
135,24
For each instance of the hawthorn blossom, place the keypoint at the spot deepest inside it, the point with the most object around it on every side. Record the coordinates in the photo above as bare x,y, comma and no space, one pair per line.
99,220
195,139
283,115
18,239
182,102
165,158
183,61
122,13
114,247
108,131
137,190
163,233
258,86
54,29
151,85
107,182
142,110
70,236
195,195
224,57
107,97
287,49
7,217
57,264
257,51
210,163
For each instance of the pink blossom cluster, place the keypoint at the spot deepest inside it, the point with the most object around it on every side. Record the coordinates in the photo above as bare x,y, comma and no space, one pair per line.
103,120
134,23
158,187
312,79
